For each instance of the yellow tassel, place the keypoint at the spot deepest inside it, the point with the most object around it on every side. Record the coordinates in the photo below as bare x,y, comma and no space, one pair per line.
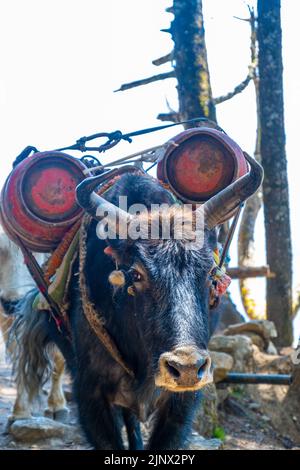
117,278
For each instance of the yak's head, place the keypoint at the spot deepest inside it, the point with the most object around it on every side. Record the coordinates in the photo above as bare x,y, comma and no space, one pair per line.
161,283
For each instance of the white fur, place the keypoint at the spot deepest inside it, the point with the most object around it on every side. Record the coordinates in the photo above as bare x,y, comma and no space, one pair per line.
15,279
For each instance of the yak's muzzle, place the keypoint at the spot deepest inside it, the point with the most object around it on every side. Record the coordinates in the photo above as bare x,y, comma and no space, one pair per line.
186,368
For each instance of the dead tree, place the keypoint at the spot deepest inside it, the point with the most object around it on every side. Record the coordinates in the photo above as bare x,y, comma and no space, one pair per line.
189,65
192,72
273,155
246,245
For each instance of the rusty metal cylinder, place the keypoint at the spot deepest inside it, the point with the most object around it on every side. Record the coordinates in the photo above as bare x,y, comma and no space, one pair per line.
200,162
37,202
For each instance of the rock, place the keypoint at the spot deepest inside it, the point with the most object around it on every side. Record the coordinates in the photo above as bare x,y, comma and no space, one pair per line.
260,332
286,351
222,364
271,349
34,429
254,406
238,346
235,407
264,328
206,418
222,393
287,442
229,344
271,364
256,339
61,415
198,442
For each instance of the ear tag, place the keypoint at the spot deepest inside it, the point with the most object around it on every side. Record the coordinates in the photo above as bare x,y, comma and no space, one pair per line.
130,291
117,278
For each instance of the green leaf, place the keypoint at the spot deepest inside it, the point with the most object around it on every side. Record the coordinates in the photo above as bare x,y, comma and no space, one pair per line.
219,433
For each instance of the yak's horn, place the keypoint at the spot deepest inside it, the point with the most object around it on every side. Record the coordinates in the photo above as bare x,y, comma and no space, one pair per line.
225,202
96,205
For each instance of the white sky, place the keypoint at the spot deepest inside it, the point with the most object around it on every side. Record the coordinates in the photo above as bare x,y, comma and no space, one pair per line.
60,61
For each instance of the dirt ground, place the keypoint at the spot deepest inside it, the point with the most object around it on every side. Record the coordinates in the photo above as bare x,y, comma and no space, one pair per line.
243,421
247,427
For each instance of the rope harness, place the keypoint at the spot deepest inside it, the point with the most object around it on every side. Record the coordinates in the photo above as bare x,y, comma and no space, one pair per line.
113,138
94,318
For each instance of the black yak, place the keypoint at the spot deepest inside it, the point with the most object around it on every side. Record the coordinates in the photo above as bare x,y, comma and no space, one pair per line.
150,297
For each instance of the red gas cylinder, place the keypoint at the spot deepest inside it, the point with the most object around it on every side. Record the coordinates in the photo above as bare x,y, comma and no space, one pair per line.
37,202
202,162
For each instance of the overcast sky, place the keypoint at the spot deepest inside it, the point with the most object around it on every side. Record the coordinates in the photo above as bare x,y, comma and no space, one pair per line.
60,61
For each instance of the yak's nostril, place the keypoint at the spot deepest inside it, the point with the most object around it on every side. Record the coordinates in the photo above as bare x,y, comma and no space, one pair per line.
202,364
176,370
172,369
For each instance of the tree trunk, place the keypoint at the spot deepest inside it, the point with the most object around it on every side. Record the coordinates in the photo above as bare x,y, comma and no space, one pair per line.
246,242
275,187
289,410
194,89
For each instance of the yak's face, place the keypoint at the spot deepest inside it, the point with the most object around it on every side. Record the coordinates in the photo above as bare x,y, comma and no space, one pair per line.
161,294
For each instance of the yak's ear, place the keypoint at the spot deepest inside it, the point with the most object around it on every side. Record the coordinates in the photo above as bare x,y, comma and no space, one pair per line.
109,251
112,253
117,250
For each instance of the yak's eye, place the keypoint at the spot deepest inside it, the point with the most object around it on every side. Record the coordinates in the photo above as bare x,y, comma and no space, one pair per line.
136,276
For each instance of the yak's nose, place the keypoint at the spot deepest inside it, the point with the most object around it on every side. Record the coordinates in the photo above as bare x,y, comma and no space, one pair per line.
185,368
185,372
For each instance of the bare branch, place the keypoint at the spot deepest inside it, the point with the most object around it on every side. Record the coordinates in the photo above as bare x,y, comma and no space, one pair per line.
254,59
241,19
244,272
170,10
163,60
173,117
238,89
251,11
145,81
171,110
